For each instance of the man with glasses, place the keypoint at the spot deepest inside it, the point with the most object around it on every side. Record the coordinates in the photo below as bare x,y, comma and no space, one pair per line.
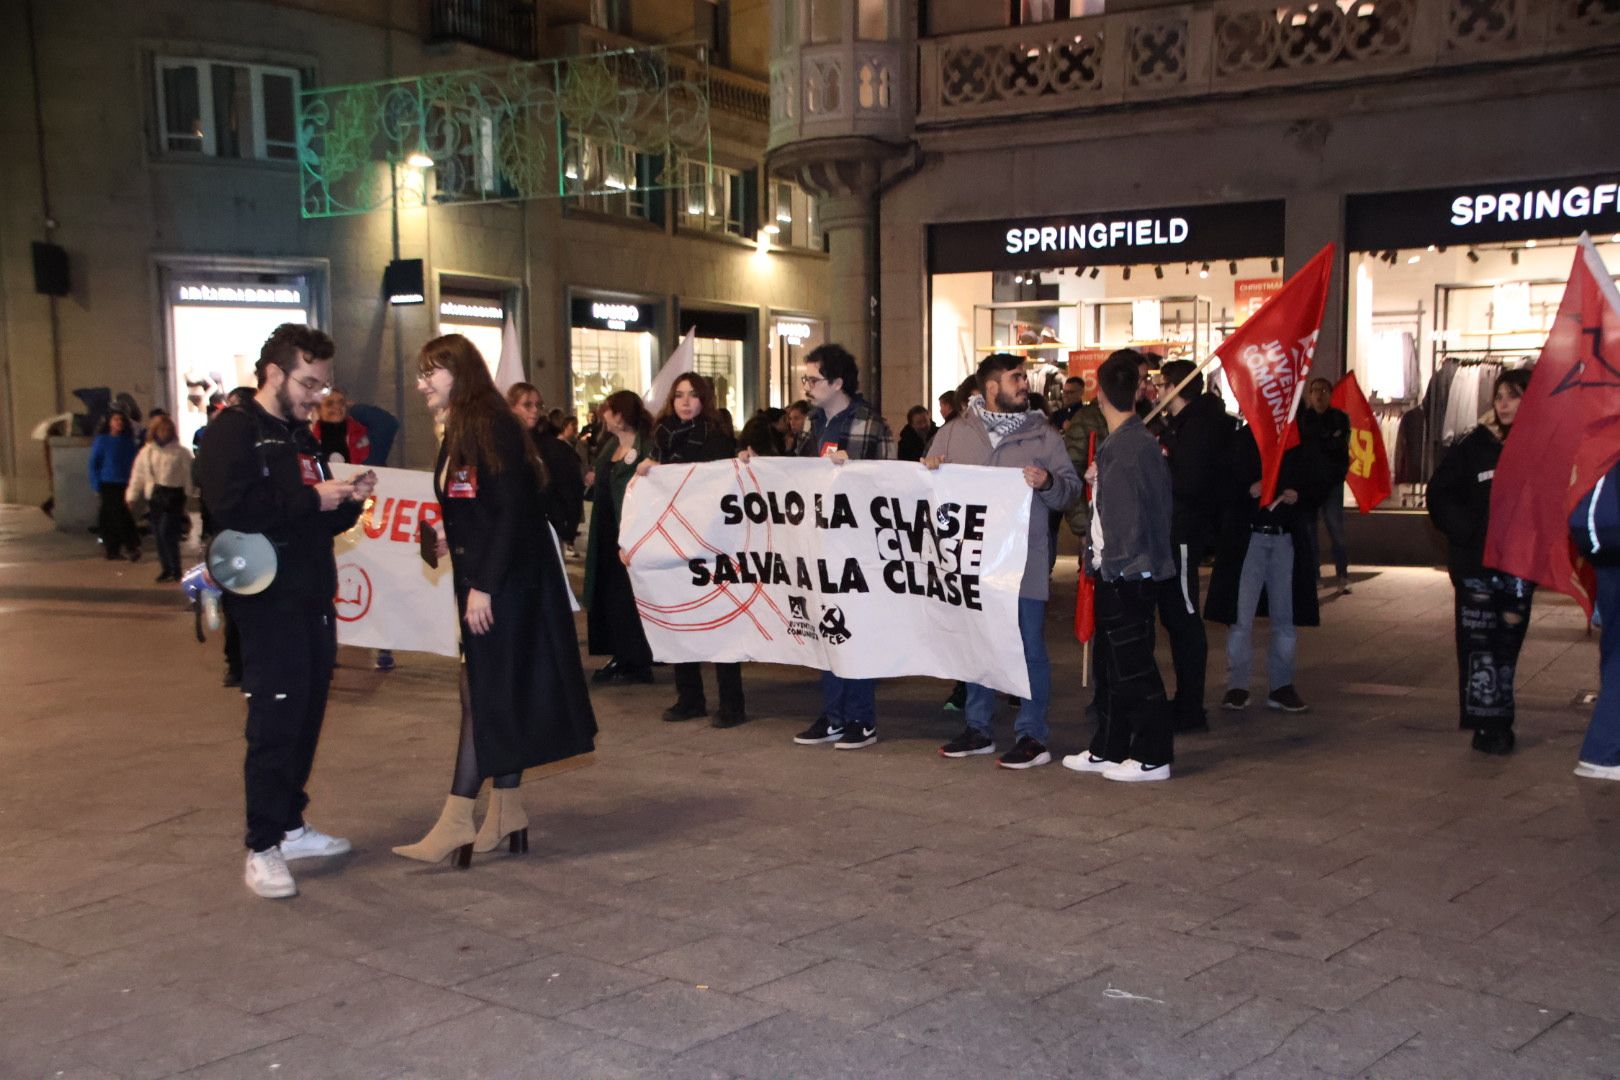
264,472
843,427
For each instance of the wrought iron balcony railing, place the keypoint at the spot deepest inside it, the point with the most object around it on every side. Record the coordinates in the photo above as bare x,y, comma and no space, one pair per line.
1233,46
503,26
729,92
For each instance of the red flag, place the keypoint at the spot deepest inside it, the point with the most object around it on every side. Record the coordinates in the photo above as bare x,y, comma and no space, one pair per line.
1268,362
1368,477
1566,436
1085,599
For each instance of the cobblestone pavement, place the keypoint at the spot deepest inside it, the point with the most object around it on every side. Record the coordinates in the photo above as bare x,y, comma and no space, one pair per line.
1346,893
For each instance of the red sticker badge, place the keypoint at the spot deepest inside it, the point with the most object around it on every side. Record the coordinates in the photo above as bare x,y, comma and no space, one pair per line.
463,483
309,470
828,448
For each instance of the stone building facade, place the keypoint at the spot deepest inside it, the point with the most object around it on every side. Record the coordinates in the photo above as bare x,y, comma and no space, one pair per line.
153,144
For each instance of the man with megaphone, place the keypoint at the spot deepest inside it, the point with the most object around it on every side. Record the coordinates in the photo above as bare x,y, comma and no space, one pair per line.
263,474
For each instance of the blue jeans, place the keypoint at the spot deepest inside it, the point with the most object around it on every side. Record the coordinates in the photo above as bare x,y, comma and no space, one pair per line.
1331,514
1269,565
848,701
1031,722
1602,745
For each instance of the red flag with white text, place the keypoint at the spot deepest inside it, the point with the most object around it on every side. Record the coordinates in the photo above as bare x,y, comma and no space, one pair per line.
1565,437
1085,597
1267,362
1368,478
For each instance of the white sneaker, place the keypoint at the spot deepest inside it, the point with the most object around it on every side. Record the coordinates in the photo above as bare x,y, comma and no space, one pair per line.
1084,762
310,843
1131,771
1597,772
267,874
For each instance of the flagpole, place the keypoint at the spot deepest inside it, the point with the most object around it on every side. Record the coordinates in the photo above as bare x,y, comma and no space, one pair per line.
1169,395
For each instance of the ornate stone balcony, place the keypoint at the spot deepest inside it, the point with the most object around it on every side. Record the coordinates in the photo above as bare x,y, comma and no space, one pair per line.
1236,46
848,89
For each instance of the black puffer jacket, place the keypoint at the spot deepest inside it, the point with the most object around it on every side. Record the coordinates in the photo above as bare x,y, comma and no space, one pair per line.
1460,497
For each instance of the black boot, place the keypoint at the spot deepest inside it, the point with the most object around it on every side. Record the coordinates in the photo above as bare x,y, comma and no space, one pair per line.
1494,742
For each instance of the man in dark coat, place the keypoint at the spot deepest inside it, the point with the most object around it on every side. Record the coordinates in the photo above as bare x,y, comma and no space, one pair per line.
1328,430
1196,440
1264,554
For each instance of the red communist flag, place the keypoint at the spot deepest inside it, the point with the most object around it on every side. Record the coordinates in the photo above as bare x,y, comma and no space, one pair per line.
1268,362
1566,436
1368,477
1085,598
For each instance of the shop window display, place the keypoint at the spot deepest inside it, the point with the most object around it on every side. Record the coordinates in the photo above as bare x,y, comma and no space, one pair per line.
606,361
1431,327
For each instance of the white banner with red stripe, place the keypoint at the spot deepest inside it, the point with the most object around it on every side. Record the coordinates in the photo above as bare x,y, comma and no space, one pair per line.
870,569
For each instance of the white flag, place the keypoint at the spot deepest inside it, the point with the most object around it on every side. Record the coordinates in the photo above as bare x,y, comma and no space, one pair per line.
509,371
677,363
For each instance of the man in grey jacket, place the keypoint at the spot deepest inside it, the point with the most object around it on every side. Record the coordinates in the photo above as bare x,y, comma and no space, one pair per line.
1128,550
998,428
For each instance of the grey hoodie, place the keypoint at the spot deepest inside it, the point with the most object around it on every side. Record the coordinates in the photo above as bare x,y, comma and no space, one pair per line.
964,441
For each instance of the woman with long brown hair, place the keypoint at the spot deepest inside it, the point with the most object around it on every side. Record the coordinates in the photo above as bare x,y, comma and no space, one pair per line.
564,493
689,431
614,624
523,696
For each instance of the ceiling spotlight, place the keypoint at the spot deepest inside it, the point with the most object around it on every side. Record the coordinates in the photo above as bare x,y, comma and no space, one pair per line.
1232,266
1413,259
1203,271
1433,248
1276,266
1158,272
1094,273
1529,243
1473,256
1615,238
419,160
1514,256
1127,274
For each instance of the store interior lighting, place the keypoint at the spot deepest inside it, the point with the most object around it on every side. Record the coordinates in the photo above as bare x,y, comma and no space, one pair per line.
1276,266
1473,256
419,160
1413,259
1232,266
1158,272
1203,271
1127,273
1095,271
1529,243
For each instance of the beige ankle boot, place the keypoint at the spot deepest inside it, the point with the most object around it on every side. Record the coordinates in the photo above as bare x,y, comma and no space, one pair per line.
452,834
504,818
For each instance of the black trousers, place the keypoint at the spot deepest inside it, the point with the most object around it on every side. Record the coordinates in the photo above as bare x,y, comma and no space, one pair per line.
1493,613
287,661
233,645
115,523
1189,644
1133,718
689,687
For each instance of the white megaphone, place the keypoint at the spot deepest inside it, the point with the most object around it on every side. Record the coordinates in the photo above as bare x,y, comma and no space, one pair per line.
241,563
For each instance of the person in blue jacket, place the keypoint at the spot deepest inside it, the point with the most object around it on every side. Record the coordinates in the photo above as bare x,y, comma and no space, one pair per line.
112,456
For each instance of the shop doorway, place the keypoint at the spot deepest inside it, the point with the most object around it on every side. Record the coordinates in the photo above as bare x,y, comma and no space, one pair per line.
724,352
612,346
479,316
792,338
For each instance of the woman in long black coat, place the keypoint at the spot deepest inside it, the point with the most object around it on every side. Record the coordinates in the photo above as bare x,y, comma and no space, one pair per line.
523,696
688,433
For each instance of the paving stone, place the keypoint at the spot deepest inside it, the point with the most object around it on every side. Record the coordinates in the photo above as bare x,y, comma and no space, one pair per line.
1034,929
1284,928
613,1059
1125,1000
998,1030
82,1005
98,927
1441,1010
1576,1046
875,941
26,968
555,984
619,938
1339,1044
1331,984
451,956
487,1043
1002,968
165,1043
371,1013
1152,950
1156,905
789,1045
1442,960
670,1016
305,1057
726,962
849,992
932,869
1456,1058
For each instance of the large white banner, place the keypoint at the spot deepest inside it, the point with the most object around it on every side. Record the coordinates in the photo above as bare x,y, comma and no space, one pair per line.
387,597
870,569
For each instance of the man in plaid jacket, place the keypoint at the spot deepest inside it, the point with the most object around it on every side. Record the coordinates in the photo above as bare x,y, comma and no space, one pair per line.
843,426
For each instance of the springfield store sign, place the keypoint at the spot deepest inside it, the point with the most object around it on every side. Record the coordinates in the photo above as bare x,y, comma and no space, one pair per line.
1180,234
1484,213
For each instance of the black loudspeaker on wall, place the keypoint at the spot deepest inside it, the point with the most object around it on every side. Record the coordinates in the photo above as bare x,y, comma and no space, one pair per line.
51,270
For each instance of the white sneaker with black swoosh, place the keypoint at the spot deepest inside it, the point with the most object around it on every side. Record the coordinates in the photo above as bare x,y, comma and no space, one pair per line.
1131,771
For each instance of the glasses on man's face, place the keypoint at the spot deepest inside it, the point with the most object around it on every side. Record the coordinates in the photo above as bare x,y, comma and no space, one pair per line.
313,386
807,381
